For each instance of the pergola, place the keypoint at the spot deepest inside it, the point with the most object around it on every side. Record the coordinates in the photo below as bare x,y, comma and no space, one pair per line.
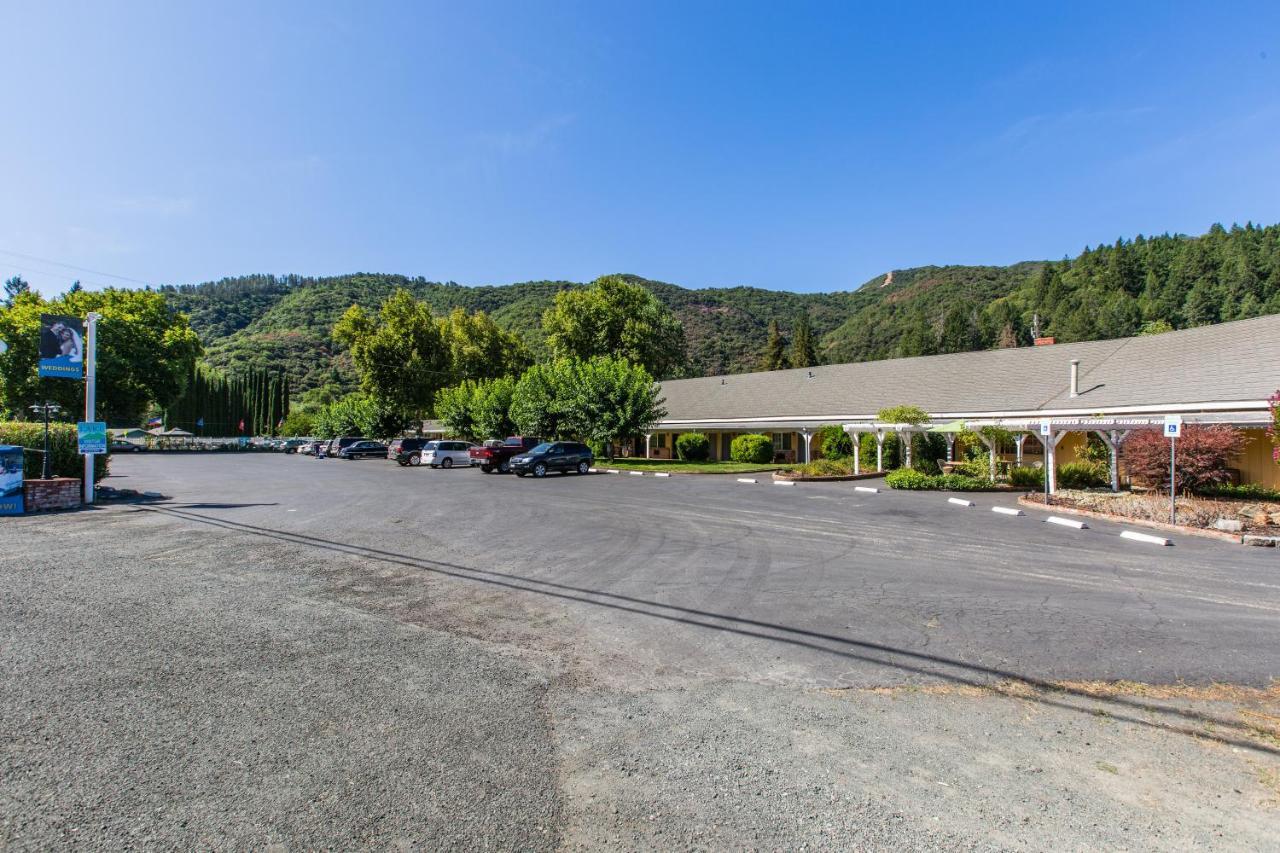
1049,431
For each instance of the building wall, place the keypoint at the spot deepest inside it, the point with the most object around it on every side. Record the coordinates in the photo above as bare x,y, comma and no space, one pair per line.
1256,464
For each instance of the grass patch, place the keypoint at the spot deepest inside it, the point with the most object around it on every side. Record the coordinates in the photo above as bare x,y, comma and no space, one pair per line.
676,466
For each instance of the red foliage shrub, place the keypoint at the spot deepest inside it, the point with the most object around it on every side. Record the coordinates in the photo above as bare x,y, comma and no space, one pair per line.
1204,455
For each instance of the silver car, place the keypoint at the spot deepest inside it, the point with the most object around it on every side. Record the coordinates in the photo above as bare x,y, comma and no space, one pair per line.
447,454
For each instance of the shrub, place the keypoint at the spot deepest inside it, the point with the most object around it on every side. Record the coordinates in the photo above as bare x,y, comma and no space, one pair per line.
1027,478
834,442
926,450
1204,456
911,479
66,462
757,449
867,451
1245,491
977,469
1083,475
961,483
902,415
823,468
693,447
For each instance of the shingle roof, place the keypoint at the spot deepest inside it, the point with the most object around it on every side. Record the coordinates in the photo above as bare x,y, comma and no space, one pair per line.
1226,363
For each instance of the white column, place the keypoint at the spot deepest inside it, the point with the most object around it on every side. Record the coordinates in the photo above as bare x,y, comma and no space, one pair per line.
857,454
647,436
991,455
90,395
1017,442
1112,440
906,443
879,451
806,436
951,447
1050,444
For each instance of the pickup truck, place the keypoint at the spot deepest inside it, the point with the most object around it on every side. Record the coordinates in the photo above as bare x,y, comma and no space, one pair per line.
497,457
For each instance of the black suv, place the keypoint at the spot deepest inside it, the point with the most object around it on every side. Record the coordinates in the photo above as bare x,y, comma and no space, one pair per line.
562,456
364,450
407,451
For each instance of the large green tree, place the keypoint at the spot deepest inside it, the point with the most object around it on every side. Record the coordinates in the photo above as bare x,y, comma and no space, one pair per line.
607,400
145,353
400,352
803,353
775,349
616,317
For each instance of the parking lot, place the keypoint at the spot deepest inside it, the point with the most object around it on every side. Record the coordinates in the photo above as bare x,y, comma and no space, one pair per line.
626,660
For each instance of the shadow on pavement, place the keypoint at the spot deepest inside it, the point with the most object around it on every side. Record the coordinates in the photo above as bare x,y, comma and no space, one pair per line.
934,666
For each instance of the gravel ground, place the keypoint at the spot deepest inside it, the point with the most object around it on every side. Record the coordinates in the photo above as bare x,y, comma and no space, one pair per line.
335,673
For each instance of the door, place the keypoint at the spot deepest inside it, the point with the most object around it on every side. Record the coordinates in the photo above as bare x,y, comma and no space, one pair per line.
458,453
557,458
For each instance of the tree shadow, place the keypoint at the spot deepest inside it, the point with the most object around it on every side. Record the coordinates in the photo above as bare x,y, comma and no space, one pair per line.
946,669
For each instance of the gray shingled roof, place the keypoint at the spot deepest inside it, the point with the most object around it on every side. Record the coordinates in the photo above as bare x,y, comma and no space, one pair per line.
1226,363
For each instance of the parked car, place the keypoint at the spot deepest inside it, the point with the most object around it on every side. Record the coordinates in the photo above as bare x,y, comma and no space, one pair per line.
122,446
446,454
562,456
335,446
364,450
497,457
407,451
294,445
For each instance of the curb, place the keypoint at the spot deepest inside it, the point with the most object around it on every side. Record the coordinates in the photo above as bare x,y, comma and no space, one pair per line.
1234,538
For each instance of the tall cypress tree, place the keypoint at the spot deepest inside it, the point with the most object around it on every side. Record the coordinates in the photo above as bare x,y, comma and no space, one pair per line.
802,351
775,350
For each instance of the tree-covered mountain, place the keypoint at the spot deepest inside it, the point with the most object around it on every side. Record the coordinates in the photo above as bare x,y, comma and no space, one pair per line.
1108,291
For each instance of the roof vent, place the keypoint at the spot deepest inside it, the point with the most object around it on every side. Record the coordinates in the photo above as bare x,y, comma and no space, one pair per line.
1075,377
722,382
811,374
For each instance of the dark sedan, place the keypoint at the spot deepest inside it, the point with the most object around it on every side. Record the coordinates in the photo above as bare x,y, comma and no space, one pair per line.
562,456
364,450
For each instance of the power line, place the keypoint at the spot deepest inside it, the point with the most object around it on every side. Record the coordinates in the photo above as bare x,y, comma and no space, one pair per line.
82,269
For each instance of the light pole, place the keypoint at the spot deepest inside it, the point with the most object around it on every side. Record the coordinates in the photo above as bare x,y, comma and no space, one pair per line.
46,409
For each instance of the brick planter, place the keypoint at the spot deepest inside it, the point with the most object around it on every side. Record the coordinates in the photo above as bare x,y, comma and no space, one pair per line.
57,493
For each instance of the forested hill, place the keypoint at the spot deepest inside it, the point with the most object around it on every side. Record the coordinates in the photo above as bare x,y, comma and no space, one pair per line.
1109,291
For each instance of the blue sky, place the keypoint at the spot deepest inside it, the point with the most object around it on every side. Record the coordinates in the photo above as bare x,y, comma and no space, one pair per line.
794,146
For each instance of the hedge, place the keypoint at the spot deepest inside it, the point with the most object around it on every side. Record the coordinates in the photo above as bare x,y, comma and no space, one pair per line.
66,462
1083,475
834,442
1025,477
693,447
756,449
918,481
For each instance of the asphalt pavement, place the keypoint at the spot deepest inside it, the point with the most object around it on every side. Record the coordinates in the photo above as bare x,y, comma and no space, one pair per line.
282,650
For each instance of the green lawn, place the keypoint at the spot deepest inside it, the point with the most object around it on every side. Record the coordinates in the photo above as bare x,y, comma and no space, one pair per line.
675,466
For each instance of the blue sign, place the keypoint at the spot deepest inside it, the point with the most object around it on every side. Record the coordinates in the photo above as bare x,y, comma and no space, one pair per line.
10,480
61,347
92,436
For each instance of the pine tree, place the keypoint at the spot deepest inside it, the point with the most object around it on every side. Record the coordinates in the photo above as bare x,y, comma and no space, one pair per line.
775,349
13,287
802,351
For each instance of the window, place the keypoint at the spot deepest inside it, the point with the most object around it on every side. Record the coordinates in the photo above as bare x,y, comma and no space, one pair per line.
782,441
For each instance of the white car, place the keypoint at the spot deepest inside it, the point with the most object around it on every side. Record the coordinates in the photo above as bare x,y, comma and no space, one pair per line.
447,454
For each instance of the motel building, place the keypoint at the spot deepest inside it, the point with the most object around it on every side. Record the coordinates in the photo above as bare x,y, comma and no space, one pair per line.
1221,374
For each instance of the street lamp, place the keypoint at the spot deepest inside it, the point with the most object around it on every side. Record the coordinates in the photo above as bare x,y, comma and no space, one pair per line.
46,410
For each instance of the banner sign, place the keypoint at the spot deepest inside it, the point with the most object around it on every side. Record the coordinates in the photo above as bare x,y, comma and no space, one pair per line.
61,346
92,436
10,480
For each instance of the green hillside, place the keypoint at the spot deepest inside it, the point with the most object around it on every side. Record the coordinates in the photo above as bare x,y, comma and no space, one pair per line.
1109,291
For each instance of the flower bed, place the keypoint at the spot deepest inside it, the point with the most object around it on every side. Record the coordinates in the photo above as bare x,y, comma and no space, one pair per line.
1256,517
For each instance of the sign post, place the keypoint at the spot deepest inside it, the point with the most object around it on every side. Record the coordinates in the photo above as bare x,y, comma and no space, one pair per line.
1172,429
1046,435
90,399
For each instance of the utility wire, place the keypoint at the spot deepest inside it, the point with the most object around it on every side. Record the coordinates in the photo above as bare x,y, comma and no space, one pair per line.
74,267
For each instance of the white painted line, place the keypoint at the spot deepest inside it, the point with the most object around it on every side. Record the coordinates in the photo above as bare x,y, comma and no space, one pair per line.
636,473
612,471
662,474
783,483
1144,537
745,480
959,502
872,489
1067,522
1007,510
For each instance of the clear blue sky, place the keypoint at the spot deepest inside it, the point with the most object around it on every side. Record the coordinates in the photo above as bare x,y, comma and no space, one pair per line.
796,146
